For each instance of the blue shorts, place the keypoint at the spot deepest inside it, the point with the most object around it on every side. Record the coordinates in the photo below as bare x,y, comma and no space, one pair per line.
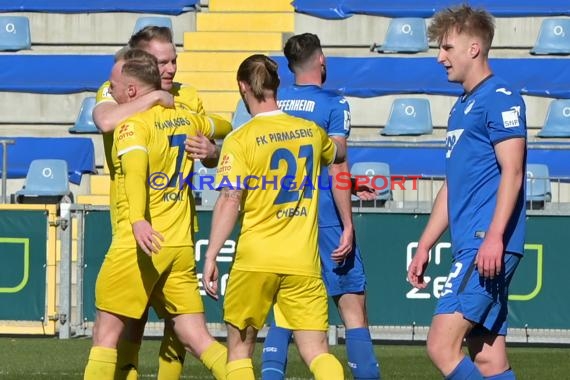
344,278
482,301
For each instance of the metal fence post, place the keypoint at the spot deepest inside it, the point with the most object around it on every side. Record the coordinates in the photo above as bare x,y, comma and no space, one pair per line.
64,311
5,144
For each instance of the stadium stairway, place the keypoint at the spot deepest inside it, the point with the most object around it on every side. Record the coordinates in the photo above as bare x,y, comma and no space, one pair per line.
227,32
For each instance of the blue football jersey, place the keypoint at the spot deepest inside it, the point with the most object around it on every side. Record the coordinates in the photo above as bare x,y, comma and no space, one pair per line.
332,113
489,114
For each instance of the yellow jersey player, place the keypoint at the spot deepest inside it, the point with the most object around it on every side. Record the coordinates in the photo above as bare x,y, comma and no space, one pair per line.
107,114
151,257
269,168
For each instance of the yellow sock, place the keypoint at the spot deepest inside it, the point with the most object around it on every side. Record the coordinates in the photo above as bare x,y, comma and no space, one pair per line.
127,360
326,367
215,358
240,370
171,357
101,364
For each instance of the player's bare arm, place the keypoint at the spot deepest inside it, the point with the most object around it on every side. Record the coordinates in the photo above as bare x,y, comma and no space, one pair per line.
435,227
510,156
224,218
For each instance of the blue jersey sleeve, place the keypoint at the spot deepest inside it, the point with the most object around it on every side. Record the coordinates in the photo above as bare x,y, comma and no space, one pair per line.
506,115
339,122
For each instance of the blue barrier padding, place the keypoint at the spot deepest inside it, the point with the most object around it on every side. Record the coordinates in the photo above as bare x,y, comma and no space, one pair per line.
78,152
350,76
54,74
341,9
377,76
171,7
428,158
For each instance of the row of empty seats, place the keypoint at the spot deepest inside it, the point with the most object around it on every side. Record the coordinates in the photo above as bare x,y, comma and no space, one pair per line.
412,117
15,32
409,35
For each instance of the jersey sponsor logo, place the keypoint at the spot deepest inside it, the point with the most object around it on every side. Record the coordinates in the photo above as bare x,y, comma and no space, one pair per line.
469,107
511,117
126,131
225,165
451,140
296,105
504,91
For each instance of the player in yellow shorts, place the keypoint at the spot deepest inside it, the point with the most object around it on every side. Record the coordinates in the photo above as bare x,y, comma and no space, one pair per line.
107,115
269,169
151,256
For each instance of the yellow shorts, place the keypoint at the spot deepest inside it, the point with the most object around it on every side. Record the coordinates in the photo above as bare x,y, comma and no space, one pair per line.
129,280
300,301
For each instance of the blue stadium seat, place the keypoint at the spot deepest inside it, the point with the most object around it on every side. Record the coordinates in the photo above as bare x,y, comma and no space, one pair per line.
204,195
557,123
46,182
382,182
15,33
553,37
240,115
538,189
152,20
409,116
84,122
404,35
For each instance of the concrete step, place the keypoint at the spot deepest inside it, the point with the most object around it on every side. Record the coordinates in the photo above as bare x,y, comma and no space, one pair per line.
250,6
233,41
100,184
211,61
220,101
245,22
209,81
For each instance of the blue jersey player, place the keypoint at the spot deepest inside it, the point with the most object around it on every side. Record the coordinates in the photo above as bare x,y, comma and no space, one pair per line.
342,268
482,202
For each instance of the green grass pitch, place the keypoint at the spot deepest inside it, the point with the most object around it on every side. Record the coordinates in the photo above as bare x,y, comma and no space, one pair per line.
50,358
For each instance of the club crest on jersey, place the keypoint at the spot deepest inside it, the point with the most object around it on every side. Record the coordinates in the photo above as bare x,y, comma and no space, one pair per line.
511,117
469,107
451,140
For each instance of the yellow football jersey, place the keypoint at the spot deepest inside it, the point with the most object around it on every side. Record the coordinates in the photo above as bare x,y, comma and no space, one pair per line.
275,158
185,97
161,133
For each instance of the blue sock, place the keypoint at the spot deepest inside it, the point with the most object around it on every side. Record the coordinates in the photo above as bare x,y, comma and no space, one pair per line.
274,357
360,353
507,375
465,370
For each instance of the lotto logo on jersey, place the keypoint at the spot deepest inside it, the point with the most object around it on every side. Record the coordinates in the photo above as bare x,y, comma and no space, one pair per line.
511,117
126,131
451,141
225,164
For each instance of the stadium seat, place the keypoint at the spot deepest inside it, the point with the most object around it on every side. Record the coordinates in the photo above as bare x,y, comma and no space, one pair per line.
409,116
538,189
379,174
84,122
46,182
240,115
404,35
553,37
152,20
15,33
203,192
557,123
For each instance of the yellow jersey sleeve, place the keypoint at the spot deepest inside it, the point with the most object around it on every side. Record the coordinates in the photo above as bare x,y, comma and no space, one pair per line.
328,153
130,135
232,167
213,126
103,94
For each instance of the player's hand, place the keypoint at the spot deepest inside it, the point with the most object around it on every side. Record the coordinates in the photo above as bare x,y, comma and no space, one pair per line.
489,258
417,269
200,147
164,98
147,238
364,192
344,247
210,278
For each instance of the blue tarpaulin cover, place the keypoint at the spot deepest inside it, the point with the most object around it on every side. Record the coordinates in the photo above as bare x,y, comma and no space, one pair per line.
171,7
